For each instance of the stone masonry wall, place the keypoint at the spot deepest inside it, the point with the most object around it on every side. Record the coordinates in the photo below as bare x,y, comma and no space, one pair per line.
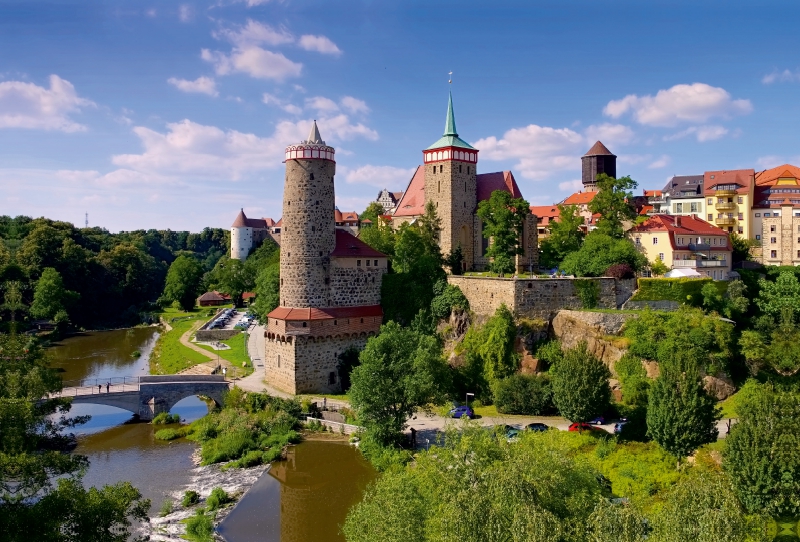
215,334
452,186
536,298
351,286
309,233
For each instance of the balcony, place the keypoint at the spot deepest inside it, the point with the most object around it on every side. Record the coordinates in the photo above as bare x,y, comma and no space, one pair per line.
699,263
725,193
725,206
725,221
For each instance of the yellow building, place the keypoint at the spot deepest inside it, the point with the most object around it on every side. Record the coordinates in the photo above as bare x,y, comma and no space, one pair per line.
776,216
729,198
685,242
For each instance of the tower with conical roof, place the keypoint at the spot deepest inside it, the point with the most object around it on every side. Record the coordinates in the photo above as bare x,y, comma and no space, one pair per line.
598,160
450,183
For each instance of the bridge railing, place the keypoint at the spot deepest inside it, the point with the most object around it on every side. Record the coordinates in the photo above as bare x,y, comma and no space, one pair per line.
97,386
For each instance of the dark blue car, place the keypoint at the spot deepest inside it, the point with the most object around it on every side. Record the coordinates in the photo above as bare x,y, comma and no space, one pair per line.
461,411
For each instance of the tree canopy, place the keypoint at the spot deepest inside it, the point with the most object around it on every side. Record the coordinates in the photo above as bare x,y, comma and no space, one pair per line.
599,252
614,203
184,282
565,237
580,385
503,219
372,212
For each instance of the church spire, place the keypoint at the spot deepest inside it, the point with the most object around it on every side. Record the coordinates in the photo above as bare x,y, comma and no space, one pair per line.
450,123
313,135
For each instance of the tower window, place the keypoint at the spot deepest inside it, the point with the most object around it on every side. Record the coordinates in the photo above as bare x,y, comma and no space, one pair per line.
314,228
317,202
459,168
439,186
312,177
465,186
358,263
305,324
331,378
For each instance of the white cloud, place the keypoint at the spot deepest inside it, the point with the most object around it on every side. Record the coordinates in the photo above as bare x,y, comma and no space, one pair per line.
702,133
695,103
354,105
662,161
254,61
202,85
633,158
254,33
571,186
185,13
320,44
378,176
341,128
269,99
786,76
610,134
320,103
540,150
26,105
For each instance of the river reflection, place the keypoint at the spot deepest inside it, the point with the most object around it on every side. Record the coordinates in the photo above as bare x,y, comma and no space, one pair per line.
302,499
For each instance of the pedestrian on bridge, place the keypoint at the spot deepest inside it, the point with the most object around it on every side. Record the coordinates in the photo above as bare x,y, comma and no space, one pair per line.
99,388
108,386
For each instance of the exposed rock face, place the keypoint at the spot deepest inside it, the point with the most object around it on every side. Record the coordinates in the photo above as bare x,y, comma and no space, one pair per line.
651,368
597,329
721,387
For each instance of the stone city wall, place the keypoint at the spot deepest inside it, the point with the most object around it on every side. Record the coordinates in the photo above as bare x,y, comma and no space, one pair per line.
215,334
323,328
537,298
353,286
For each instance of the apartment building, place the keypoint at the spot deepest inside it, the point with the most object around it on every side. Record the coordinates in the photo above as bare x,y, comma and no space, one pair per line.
729,197
776,215
683,195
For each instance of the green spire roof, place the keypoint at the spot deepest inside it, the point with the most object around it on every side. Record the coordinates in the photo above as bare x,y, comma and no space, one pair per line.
450,137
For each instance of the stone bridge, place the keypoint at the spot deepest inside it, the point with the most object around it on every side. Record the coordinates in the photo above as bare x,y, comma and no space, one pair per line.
146,396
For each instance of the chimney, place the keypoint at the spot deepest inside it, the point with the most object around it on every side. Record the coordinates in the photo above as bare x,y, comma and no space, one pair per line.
677,221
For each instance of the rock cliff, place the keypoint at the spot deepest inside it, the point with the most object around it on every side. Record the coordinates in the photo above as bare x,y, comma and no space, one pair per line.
600,331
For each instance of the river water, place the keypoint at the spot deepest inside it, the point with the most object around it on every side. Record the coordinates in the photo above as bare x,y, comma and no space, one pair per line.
303,499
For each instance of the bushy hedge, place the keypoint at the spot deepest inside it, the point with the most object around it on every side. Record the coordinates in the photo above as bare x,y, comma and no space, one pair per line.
523,394
682,290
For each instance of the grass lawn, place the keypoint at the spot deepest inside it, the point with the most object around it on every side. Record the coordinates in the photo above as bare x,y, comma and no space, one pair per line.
169,355
237,355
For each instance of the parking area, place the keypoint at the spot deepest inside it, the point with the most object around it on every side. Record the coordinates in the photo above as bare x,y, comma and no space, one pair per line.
232,319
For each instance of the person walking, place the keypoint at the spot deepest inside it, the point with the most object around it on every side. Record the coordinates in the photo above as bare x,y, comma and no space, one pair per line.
413,439
99,388
108,386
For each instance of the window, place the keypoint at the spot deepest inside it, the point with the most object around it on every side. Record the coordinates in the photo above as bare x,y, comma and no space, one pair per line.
376,263
638,241
741,216
758,238
661,256
710,201
723,241
358,263
773,253
740,200
772,228
331,378
680,240
694,207
655,240
368,263
766,215
439,186
305,324
758,214
715,240
773,240
279,361
459,168
710,217
776,213
741,230
679,207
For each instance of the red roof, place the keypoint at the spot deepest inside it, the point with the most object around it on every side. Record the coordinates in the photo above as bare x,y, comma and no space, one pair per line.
413,201
742,177
500,180
279,223
211,296
545,213
682,225
350,246
580,198
769,177
645,209
599,149
248,295
347,216
243,222
652,193
327,313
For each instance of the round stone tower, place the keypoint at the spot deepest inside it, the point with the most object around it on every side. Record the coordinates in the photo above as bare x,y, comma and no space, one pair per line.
309,231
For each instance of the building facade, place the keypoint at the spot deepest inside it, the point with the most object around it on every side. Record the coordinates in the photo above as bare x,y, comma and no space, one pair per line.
729,198
597,161
683,195
449,179
775,216
685,242
247,233
389,200
330,280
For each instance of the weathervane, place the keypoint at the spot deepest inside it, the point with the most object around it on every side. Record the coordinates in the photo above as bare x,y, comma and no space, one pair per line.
451,77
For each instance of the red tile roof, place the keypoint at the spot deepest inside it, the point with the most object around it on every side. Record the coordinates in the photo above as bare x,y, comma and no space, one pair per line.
413,201
350,246
742,177
243,222
651,193
645,209
212,296
599,149
769,177
500,180
682,225
327,313
580,198
545,213
248,295
347,216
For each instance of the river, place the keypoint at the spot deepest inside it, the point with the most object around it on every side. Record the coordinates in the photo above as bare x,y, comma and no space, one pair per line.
303,499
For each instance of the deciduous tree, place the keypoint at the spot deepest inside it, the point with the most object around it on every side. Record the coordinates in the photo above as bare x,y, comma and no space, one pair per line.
565,237
503,222
184,282
50,297
372,212
580,385
614,203
599,252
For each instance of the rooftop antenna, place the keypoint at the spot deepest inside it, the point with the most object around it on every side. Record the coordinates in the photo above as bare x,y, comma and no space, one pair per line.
86,221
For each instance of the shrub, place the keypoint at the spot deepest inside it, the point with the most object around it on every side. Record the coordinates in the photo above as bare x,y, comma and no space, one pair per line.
190,498
588,292
166,508
200,526
523,394
620,271
217,499
136,354
447,297
549,351
682,290
167,434
163,418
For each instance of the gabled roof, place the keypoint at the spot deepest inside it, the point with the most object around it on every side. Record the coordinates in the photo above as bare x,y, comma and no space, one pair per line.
545,213
598,149
413,201
350,246
645,209
580,198
652,193
770,177
327,313
347,216
450,137
211,296
742,177
500,180
682,225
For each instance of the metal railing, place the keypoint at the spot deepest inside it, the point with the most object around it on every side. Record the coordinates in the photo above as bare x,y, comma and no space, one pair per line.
699,263
98,386
725,206
725,193
725,221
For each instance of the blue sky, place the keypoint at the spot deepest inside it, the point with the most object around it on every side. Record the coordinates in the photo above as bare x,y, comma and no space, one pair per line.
156,114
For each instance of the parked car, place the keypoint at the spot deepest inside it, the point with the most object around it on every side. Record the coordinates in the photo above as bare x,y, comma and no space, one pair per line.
598,421
461,411
537,427
619,426
578,426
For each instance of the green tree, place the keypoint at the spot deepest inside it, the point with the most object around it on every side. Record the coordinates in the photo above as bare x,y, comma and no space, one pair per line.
599,252
659,268
430,229
681,416
761,455
372,212
379,236
580,385
503,220
268,291
231,277
614,203
50,297
409,248
782,294
41,497
184,282
446,298
741,248
565,237
455,261
400,371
